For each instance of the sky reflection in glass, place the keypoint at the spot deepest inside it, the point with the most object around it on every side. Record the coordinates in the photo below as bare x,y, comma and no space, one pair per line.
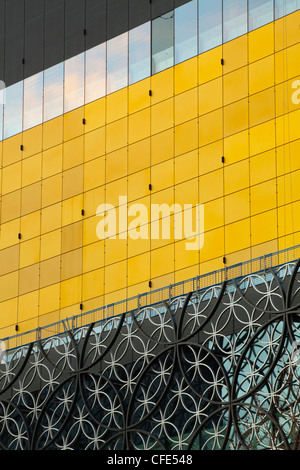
53,91
139,53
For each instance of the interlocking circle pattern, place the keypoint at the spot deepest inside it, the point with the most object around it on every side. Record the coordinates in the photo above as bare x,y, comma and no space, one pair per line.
214,369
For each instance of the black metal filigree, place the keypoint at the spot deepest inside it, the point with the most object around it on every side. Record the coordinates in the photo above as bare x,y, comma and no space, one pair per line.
214,369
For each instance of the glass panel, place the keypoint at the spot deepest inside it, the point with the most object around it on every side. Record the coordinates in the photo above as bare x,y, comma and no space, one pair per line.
234,19
186,31
139,53
117,63
33,101
74,83
54,91
261,12
2,102
13,110
162,42
284,7
95,73
210,24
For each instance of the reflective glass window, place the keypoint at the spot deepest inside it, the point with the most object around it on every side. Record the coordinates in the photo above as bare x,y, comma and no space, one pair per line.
2,101
95,73
210,24
53,91
117,63
74,83
162,42
234,19
284,7
139,53
186,31
13,110
261,12
33,101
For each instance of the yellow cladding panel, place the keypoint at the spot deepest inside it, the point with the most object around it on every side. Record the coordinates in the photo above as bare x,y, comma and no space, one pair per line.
139,268
264,227
162,146
186,107
236,147
138,96
53,132
116,135
262,107
213,245
11,150
52,161
93,284
49,299
11,177
186,137
139,126
210,96
186,166
237,206
162,116
32,141
237,236
73,153
214,214
262,137
28,306
29,252
94,114
236,117
116,105
210,127
209,65
135,151
186,75
263,197
162,86
70,291
263,167
235,54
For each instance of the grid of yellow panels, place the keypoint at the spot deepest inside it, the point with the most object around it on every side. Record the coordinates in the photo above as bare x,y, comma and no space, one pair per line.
51,260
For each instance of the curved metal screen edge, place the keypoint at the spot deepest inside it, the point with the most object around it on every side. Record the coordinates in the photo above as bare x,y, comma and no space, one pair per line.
167,293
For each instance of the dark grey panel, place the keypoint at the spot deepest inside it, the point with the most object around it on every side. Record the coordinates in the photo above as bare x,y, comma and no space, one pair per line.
74,27
2,17
53,4
95,22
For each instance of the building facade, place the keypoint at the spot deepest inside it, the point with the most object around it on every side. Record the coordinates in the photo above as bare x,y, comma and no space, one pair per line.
149,149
